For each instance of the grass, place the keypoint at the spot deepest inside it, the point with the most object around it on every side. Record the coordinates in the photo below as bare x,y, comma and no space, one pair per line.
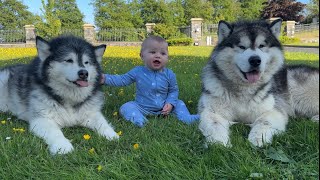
307,38
168,149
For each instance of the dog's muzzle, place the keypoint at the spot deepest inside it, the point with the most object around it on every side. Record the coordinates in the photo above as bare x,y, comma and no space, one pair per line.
255,61
83,78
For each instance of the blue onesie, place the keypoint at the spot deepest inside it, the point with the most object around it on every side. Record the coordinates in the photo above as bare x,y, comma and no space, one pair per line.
154,89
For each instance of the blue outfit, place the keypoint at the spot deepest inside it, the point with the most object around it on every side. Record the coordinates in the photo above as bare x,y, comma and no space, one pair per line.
154,89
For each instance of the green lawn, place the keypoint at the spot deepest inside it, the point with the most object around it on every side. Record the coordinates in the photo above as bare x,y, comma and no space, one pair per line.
167,148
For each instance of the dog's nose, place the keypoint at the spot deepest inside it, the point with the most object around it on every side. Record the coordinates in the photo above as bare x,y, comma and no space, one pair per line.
83,74
255,61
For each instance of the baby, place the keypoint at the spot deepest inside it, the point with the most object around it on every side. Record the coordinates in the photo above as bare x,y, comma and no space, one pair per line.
156,86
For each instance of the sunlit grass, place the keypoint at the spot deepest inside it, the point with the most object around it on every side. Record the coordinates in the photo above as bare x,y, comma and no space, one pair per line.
165,148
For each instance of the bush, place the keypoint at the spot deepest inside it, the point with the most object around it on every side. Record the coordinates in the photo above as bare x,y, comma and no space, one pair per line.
180,42
289,40
165,31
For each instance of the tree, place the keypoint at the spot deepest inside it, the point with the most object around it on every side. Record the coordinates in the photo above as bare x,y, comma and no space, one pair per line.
252,8
198,9
14,14
288,10
112,14
313,8
48,25
177,12
135,10
156,11
69,14
228,10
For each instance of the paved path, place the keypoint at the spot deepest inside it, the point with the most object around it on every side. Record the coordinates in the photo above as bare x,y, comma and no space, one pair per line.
312,49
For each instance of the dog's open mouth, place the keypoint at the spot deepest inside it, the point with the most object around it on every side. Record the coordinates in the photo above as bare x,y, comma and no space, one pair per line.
81,83
252,76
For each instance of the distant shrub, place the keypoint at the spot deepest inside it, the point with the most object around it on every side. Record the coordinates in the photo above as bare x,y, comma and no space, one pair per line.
289,40
165,31
180,42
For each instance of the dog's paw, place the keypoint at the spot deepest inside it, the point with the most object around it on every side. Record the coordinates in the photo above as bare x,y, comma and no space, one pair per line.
61,147
110,135
224,140
315,118
261,138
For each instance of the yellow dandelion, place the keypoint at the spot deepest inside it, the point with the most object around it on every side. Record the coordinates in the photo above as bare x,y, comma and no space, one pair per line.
92,151
99,168
121,93
21,130
135,146
86,136
115,113
119,133
3,122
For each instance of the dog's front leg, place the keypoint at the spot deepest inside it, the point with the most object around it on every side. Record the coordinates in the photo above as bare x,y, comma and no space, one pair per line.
214,127
52,134
98,123
263,129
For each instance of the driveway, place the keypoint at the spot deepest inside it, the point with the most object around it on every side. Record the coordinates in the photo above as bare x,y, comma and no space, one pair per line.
312,49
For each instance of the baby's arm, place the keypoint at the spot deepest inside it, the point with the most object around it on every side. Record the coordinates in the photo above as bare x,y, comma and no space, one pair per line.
173,90
119,80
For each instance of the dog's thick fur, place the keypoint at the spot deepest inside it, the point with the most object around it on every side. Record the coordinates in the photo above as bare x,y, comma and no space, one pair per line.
59,88
246,81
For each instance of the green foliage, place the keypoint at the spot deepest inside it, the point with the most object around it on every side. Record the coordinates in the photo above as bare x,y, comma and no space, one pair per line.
112,14
198,9
14,15
313,8
252,8
228,10
165,31
49,25
180,42
69,14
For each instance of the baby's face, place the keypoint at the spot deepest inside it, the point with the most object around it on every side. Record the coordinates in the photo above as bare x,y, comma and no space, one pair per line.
155,55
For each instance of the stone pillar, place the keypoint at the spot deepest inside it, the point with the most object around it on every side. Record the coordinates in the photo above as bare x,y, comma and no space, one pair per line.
149,27
89,33
196,30
290,28
30,34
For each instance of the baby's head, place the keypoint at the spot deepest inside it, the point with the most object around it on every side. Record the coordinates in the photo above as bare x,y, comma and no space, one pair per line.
154,53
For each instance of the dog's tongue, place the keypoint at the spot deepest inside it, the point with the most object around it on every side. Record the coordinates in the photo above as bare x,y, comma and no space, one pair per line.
82,83
253,77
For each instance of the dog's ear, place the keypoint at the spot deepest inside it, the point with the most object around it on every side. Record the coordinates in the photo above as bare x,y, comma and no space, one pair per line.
99,51
275,27
43,48
224,30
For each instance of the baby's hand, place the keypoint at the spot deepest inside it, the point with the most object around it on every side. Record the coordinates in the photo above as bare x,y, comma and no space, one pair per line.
102,79
167,108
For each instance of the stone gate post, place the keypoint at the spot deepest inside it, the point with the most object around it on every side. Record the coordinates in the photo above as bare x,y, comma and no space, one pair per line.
89,33
149,27
290,28
196,31
30,34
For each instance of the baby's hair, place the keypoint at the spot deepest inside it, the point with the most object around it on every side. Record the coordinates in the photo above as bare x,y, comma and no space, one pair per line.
152,38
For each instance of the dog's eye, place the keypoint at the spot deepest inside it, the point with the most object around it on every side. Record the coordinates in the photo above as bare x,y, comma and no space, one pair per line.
261,46
87,62
242,47
69,61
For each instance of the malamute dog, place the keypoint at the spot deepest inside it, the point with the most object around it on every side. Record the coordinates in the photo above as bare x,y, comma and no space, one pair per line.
246,81
59,88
